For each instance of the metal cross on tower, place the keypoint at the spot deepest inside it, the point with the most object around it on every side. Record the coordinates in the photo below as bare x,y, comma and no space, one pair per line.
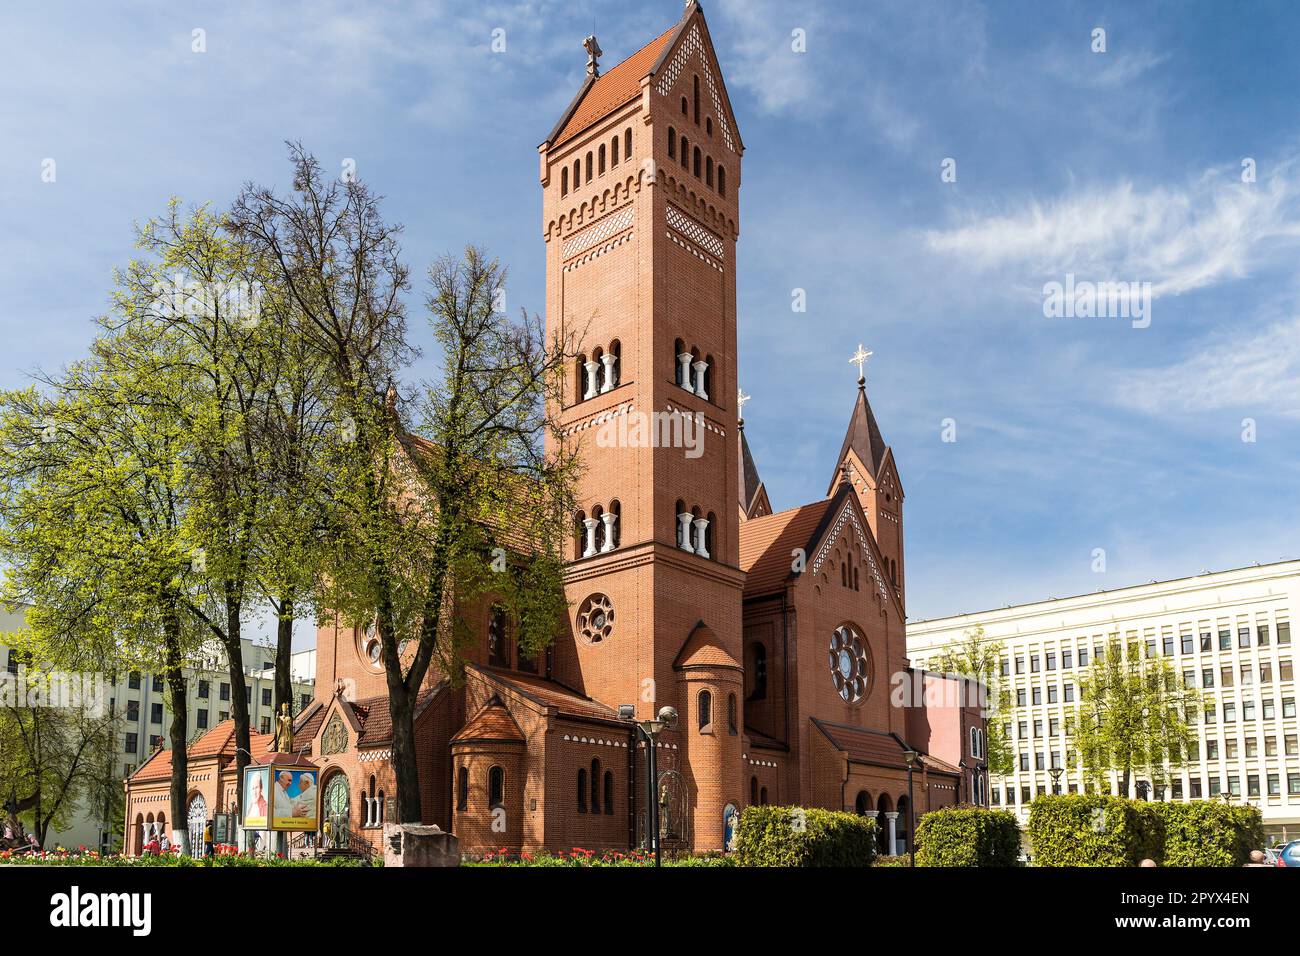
860,359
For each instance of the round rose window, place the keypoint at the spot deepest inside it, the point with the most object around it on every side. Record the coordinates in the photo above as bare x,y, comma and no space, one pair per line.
595,619
848,659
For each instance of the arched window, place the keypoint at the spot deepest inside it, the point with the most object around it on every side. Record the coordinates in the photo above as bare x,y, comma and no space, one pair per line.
855,580
708,126
601,160
696,100
705,385
496,788
705,701
580,534
583,379
615,509
681,370
862,804
681,532
844,574
582,791
627,142
498,649
615,366
613,151
686,153
577,173
696,169
753,790
588,165
709,534
609,792
684,107
722,180
672,143
595,786
598,514
732,720
379,809
564,181
462,788
758,672
708,171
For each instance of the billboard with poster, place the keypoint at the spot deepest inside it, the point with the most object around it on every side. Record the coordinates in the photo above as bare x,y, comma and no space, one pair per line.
254,803
295,799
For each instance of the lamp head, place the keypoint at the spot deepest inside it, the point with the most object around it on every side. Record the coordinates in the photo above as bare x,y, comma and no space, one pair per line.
668,717
627,712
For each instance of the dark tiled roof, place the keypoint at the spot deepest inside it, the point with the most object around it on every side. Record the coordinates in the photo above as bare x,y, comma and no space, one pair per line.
865,746
766,544
550,693
763,741
217,742
863,437
611,90
703,650
750,483
376,720
492,723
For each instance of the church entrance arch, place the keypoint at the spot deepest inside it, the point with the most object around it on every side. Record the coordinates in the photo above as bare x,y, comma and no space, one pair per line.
195,817
336,810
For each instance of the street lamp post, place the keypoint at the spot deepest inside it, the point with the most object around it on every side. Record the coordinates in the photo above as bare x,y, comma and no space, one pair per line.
1056,780
911,756
648,731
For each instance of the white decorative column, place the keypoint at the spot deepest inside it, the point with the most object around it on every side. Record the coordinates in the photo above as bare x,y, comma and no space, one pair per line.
591,536
609,383
701,526
610,520
684,360
684,531
700,368
593,375
892,817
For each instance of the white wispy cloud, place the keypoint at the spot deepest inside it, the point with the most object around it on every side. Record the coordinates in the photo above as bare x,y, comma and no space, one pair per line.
1210,230
762,59
1258,372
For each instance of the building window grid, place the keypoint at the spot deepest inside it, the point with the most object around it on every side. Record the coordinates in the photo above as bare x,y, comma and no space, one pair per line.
1242,656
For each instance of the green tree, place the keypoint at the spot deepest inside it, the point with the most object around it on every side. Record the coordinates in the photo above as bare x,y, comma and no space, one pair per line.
56,755
478,502
977,657
93,499
1132,717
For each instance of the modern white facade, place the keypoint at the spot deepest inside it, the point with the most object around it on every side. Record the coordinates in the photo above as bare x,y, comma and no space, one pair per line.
1226,633
144,707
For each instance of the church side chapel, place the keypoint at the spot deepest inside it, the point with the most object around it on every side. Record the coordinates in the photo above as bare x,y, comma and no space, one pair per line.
777,636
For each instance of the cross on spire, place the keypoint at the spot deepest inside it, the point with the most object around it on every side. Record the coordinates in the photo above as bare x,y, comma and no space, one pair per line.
860,359
741,399
593,55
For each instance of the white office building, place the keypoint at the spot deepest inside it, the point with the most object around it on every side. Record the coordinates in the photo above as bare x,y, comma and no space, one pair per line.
1226,633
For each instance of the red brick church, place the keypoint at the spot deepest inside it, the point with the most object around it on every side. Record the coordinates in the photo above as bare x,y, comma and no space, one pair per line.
778,637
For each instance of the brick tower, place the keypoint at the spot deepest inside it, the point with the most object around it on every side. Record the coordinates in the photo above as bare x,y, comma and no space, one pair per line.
640,179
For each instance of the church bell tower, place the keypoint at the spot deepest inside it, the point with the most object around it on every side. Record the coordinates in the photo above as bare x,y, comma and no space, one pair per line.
640,179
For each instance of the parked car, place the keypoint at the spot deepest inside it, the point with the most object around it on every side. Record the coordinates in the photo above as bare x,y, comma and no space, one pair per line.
1288,854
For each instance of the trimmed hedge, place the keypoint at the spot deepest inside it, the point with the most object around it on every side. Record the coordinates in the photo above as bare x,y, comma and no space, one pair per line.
766,836
1063,831
1206,833
1087,830
968,836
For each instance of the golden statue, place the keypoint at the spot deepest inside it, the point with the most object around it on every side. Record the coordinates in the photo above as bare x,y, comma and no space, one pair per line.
283,732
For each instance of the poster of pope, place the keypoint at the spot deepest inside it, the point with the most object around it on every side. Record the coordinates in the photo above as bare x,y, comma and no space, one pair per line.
294,799
255,799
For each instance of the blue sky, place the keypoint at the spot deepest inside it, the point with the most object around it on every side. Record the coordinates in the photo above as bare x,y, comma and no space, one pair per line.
1125,165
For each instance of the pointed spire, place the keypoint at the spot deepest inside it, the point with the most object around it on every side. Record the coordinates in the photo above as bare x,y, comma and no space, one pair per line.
863,435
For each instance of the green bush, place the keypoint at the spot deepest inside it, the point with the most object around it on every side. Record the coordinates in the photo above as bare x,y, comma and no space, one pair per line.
1063,832
968,836
1209,833
1087,830
767,836
90,858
